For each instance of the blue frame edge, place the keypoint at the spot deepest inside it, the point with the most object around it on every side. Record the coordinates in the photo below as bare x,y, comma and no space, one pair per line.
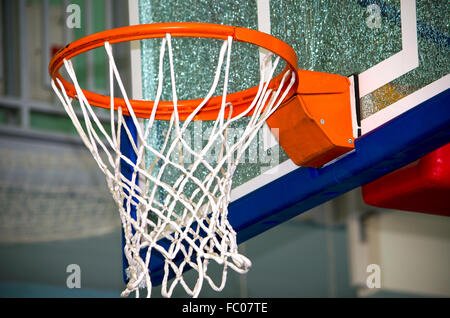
400,141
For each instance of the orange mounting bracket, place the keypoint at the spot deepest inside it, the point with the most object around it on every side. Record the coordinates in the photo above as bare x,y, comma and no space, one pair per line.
315,125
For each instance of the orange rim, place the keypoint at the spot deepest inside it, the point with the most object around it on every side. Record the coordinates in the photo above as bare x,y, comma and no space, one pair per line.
240,100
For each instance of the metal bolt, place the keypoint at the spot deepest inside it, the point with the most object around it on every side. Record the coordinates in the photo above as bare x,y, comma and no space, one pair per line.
350,141
322,121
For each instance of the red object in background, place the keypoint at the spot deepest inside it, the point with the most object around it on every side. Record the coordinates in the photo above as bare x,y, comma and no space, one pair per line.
421,186
54,48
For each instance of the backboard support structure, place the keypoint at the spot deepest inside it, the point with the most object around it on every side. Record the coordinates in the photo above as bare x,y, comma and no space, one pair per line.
400,119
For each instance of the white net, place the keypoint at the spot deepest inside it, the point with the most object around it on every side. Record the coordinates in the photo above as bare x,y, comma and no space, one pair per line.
183,222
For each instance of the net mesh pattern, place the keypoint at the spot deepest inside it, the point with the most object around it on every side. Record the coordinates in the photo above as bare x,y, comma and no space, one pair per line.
51,192
183,222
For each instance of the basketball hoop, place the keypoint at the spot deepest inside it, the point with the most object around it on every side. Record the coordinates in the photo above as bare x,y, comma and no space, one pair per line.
184,222
240,100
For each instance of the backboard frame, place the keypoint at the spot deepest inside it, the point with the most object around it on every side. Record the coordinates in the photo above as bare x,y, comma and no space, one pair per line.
414,125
